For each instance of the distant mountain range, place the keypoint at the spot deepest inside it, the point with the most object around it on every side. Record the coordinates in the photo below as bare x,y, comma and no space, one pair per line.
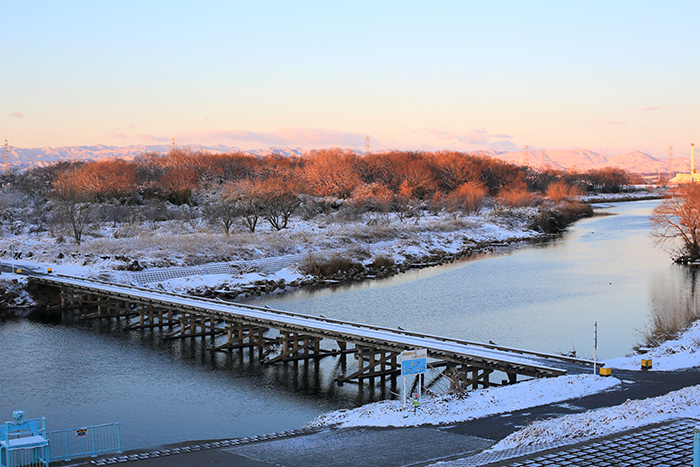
583,159
579,159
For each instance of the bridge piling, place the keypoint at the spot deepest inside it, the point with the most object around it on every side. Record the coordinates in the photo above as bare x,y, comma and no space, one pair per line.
280,336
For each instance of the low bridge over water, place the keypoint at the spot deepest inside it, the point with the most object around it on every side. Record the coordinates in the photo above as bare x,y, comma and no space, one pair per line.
280,336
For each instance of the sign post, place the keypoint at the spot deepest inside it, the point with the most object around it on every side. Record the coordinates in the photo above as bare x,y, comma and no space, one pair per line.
595,347
12,256
413,362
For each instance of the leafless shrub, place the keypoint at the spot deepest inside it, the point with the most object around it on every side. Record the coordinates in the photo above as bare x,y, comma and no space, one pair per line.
323,266
467,198
383,261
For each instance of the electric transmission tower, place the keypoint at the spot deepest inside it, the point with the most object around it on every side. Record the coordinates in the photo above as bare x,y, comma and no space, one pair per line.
526,155
670,161
7,158
366,145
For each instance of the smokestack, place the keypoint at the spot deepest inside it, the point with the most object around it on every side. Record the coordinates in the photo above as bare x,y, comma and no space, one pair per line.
692,160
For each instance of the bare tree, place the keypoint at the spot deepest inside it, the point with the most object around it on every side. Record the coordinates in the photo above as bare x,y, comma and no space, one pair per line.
223,213
75,202
249,202
153,211
279,206
676,223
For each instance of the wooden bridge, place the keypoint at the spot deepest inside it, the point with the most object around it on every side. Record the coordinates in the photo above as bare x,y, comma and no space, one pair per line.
281,336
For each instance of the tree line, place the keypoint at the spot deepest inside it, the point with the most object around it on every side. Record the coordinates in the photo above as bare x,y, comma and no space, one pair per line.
229,188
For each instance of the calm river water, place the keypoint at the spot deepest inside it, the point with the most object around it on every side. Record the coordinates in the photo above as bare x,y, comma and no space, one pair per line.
543,297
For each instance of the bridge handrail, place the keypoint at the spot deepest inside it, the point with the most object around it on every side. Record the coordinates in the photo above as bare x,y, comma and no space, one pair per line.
311,318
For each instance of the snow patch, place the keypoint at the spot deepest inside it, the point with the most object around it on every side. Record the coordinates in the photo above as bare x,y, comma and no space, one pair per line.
475,404
677,354
632,414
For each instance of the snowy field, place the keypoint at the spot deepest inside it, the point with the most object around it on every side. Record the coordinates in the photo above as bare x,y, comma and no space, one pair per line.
111,252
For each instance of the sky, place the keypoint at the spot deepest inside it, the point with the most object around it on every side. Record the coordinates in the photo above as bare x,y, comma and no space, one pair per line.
462,75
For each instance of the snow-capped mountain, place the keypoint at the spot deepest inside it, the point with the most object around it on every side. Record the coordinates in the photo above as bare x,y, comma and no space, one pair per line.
579,159
23,158
583,159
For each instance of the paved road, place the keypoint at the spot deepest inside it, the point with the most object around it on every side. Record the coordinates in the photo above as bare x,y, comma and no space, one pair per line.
461,443
635,385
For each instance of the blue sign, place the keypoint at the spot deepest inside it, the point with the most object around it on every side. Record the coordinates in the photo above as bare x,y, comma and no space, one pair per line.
413,362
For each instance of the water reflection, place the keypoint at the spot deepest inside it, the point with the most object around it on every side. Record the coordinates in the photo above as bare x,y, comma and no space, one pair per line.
160,391
674,305
545,297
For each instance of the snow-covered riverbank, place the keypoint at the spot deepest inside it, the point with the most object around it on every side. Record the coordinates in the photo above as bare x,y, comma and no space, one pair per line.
118,253
678,354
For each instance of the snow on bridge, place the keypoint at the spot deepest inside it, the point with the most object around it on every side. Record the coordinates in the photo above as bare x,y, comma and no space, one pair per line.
285,336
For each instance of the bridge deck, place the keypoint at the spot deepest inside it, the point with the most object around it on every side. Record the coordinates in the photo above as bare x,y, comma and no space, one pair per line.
392,340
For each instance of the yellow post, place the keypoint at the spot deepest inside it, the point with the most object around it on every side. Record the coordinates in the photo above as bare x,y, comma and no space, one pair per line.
50,270
646,364
605,371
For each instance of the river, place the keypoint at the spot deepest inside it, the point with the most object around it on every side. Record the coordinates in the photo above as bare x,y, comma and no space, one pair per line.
541,297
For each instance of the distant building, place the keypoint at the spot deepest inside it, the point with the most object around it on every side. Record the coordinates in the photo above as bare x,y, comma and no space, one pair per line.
693,176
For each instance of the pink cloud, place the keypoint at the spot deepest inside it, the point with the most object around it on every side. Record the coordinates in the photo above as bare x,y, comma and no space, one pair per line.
160,139
651,108
479,137
307,137
16,114
470,137
114,134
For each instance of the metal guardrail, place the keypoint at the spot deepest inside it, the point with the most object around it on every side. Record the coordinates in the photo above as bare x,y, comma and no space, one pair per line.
84,442
29,456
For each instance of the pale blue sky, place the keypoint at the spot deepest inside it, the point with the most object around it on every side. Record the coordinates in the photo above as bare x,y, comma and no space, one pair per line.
466,75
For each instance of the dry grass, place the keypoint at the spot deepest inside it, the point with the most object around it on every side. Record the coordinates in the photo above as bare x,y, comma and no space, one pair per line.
382,261
674,309
324,266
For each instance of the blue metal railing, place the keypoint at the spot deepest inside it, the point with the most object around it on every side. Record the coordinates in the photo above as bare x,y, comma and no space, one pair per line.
83,442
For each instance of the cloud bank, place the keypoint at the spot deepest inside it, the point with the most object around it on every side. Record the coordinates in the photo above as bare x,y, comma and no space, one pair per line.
479,137
305,137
